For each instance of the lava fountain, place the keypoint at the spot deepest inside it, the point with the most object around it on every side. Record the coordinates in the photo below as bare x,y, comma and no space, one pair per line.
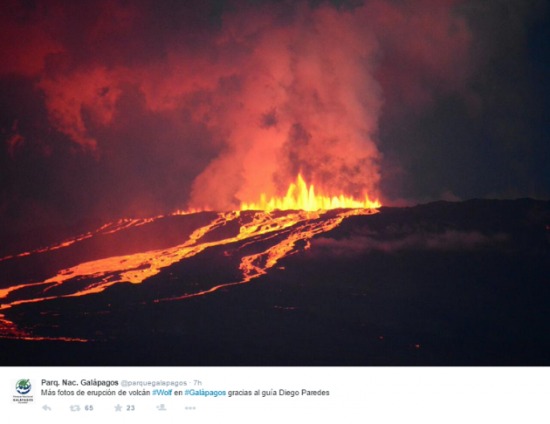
300,196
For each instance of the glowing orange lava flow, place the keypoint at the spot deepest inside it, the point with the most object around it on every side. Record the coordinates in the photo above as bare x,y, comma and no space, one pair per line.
266,236
301,197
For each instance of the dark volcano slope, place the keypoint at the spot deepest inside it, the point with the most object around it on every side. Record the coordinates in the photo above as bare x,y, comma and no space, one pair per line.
464,283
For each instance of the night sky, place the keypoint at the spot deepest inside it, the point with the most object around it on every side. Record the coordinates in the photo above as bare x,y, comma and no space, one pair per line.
134,108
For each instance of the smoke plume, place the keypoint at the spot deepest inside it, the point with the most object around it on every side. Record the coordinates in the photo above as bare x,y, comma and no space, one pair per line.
207,104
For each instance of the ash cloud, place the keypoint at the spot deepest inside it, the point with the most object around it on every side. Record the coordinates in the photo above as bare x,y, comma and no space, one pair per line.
135,108
447,241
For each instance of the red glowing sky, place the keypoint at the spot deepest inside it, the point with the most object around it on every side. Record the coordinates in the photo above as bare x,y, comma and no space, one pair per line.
114,108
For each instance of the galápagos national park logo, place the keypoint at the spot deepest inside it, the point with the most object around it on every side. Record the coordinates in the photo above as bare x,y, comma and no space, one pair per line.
23,388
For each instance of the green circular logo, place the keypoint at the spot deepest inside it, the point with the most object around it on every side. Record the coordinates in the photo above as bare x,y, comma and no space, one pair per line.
23,386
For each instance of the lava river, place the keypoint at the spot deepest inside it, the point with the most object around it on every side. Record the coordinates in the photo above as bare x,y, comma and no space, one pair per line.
135,250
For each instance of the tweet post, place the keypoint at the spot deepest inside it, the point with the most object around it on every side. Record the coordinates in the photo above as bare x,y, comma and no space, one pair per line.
257,211
380,395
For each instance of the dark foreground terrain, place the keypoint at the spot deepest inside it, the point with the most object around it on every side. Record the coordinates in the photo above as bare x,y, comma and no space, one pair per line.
438,284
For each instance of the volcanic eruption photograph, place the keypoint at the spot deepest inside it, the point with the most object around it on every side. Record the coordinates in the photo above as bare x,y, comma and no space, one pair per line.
275,183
